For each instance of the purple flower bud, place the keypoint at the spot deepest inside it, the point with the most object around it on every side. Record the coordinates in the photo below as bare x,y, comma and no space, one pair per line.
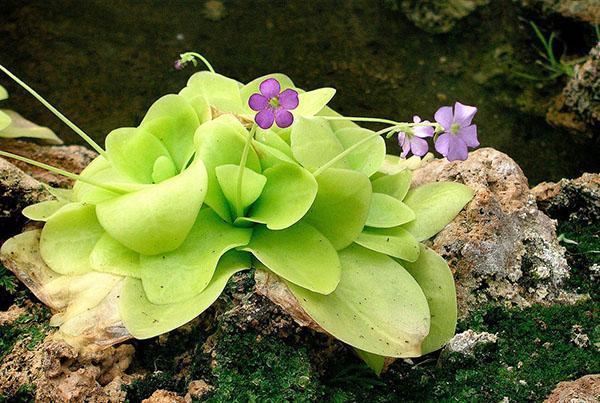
459,133
179,65
273,105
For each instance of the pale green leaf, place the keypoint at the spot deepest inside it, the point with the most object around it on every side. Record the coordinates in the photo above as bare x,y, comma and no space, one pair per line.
221,92
435,278
133,151
220,142
44,210
312,102
110,256
336,124
396,185
272,139
287,196
144,319
201,107
435,205
368,157
373,361
3,93
252,185
158,218
69,237
340,209
4,122
300,254
387,212
173,121
314,144
187,271
163,169
18,126
101,171
377,306
269,156
395,242
60,193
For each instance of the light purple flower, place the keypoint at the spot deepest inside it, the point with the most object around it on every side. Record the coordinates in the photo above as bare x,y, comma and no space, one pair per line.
458,134
273,105
415,142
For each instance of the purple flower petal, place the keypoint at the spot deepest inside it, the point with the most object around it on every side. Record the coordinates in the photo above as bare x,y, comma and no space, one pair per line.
444,116
463,114
270,88
258,102
423,131
265,118
457,150
416,119
283,118
443,143
418,146
404,143
469,135
288,99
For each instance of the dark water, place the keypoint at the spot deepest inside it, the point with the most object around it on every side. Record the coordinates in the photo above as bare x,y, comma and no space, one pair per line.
104,62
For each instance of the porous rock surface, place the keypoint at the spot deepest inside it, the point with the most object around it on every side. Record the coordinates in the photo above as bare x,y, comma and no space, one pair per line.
583,390
21,184
501,247
62,374
583,10
577,108
70,158
17,191
571,199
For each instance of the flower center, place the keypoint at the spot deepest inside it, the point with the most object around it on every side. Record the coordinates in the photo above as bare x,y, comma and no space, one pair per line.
454,128
274,102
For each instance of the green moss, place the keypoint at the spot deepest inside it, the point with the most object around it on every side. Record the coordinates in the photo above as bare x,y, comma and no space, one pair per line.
251,368
26,393
582,255
33,325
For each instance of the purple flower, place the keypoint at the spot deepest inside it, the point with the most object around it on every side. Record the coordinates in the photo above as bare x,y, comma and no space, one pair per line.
415,142
458,134
273,105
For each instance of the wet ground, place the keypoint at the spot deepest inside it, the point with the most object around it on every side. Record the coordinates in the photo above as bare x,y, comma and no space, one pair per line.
104,62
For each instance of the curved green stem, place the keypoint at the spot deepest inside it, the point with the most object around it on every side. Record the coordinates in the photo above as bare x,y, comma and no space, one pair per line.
350,149
52,109
239,210
361,119
202,58
62,172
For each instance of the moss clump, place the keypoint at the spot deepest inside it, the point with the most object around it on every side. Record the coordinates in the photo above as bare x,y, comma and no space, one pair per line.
252,368
33,326
25,394
582,256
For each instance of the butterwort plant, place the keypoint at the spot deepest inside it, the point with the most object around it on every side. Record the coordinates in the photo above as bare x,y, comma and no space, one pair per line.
226,176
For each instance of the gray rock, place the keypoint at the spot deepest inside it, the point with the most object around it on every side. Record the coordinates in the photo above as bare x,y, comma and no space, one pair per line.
501,247
583,10
578,106
465,342
17,191
571,199
21,184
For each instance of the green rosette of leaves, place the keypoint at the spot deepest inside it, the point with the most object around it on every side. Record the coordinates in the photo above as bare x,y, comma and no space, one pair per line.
197,192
